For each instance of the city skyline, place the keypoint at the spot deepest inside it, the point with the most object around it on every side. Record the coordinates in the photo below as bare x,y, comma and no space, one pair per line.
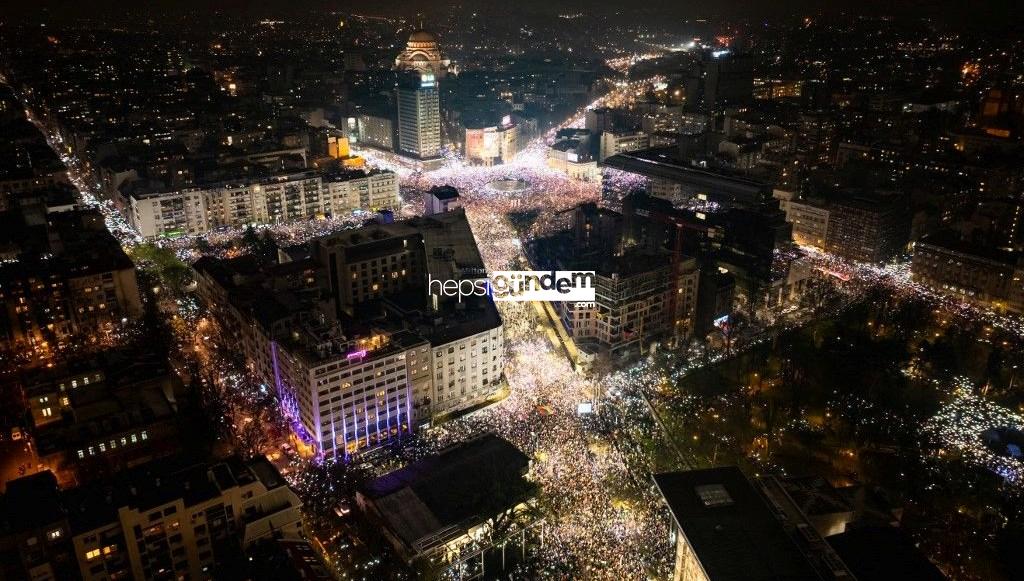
248,330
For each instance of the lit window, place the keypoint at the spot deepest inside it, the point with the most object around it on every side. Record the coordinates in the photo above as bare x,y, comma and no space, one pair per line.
55,534
90,555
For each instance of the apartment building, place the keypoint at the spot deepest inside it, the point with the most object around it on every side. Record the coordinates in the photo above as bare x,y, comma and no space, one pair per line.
67,277
171,519
161,211
348,337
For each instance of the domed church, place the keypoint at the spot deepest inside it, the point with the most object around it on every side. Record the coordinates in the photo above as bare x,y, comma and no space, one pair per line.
423,54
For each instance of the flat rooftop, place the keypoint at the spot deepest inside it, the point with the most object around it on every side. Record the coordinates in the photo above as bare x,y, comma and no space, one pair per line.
733,532
460,487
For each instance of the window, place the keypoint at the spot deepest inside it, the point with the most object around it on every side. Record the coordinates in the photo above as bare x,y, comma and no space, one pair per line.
55,534
90,555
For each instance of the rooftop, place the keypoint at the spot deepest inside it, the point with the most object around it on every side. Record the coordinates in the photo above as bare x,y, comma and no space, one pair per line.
733,532
460,487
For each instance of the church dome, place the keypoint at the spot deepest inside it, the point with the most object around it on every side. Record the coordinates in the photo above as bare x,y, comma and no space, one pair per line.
422,36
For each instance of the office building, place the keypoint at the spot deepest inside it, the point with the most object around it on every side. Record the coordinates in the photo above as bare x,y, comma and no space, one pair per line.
809,218
419,117
868,227
614,143
717,80
349,338
376,130
491,144
572,156
988,277
172,519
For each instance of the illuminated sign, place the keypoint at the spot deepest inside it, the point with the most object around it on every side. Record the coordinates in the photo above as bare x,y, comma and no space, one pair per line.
356,355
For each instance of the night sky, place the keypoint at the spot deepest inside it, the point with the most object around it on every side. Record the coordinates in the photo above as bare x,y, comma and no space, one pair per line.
986,14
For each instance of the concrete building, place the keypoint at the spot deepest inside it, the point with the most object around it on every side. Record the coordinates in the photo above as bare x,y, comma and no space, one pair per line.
616,143
727,528
376,130
66,276
809,218
419,117
171,519
868,227
637,302
717,80
492,144
168,519
166,212
440,199
988,277
641,295
572,156
345,334
92,417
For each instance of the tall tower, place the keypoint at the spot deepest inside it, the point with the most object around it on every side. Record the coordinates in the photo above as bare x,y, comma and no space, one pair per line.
419,116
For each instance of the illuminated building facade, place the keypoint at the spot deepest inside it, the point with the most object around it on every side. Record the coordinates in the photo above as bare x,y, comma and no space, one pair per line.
281,198
419,116
492,145
616,143
422,54
344,336
868,227
809,219
81,284
988,277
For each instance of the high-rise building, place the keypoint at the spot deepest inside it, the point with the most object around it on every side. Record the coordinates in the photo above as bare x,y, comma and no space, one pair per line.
419,116
717,80
869,227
